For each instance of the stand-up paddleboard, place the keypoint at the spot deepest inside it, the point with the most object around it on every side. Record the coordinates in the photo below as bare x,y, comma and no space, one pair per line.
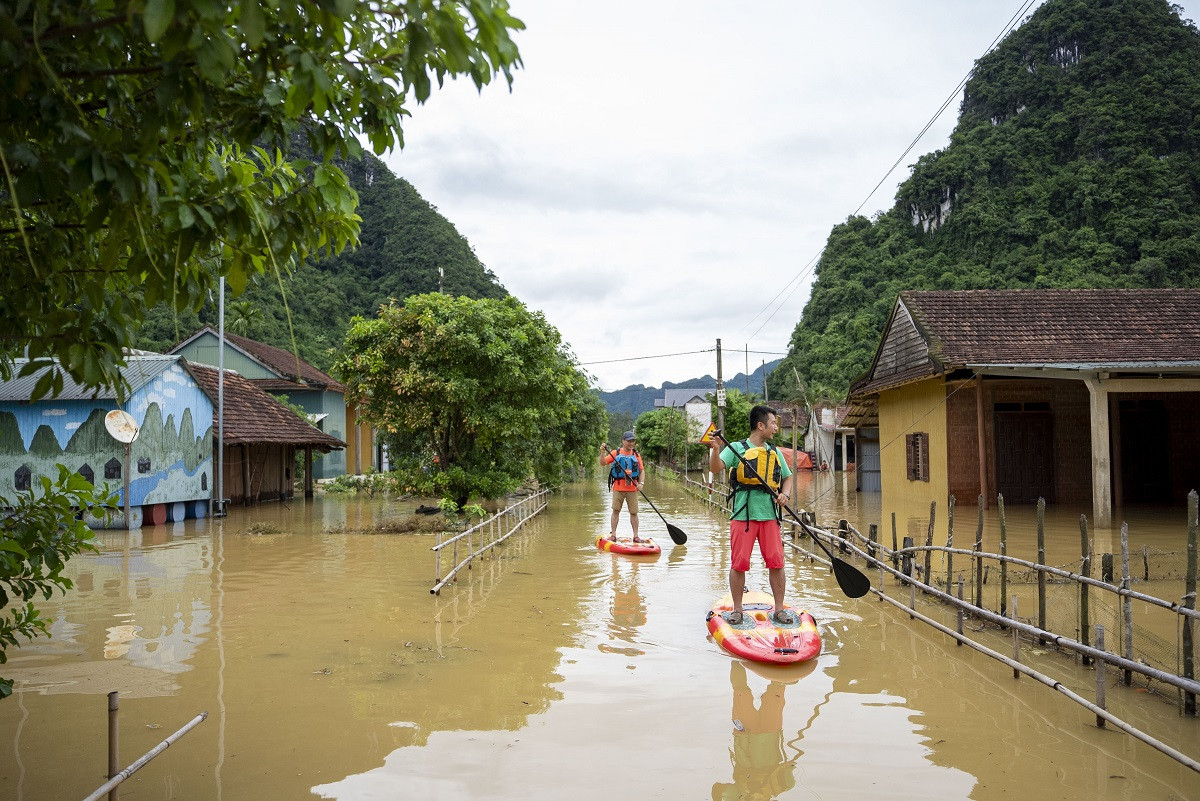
626,545
758,637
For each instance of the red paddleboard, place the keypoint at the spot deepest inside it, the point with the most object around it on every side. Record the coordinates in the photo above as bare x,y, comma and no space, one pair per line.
758,637
626,545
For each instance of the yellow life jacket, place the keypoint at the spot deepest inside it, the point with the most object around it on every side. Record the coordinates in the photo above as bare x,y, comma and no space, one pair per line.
765,461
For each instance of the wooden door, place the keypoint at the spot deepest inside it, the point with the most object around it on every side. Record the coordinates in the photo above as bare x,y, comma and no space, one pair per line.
1024,453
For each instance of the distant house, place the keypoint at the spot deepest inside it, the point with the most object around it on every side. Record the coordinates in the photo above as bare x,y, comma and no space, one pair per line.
828,440
171,461
261,438
695,405
280,372
1079,396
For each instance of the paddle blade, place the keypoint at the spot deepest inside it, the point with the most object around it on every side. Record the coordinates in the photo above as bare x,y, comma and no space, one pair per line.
676,534
852,580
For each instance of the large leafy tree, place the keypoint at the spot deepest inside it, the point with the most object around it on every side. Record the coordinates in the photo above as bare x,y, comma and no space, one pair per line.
475,395
141,159
142,142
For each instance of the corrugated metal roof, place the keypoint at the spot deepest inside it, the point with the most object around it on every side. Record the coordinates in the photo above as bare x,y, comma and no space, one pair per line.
136,372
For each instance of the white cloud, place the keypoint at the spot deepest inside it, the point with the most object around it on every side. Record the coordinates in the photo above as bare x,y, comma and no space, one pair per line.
659,171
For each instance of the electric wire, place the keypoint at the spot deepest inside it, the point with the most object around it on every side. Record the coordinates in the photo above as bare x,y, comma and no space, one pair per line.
1007,29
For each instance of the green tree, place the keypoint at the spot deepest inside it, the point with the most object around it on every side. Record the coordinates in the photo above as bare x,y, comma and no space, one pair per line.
475,395
142,148
242,318
142,158
664,432
39,532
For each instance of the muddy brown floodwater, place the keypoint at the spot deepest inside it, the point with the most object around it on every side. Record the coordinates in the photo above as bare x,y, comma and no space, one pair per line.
552,671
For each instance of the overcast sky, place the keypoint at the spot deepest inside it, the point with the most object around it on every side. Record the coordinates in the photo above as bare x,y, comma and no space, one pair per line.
660,171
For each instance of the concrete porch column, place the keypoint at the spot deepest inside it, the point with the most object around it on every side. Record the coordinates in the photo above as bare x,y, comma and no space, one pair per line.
1101,462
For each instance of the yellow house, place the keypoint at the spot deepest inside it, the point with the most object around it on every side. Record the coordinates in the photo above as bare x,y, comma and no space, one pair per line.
1088,397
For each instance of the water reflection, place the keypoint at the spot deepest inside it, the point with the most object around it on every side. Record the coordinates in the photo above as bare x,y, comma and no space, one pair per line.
325,663
628,606
762,767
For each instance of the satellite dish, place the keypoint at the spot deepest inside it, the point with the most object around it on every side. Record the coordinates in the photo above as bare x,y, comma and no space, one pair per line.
121,426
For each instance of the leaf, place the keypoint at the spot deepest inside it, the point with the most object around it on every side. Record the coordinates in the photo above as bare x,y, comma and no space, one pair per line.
156,17
252,23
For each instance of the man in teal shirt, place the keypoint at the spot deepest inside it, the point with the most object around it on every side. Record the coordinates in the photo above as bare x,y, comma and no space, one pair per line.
754,516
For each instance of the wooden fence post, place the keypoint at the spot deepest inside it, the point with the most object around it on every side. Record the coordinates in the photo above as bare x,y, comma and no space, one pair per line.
1189,602
979,559
1101,672
1003,552
949,543
1041,545
1086,571
928,576
1016,639
960,611
1126,601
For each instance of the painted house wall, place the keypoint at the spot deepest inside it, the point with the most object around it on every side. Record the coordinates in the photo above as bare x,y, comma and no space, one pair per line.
913,408
171,460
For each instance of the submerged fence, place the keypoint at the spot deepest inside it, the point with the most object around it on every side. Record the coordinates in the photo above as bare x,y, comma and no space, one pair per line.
482,537
990,587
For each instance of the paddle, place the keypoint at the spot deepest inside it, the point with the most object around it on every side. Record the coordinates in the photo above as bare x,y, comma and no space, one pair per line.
852,581
676,533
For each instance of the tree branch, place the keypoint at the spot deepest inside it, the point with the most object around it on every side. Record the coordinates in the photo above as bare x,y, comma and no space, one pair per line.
74,30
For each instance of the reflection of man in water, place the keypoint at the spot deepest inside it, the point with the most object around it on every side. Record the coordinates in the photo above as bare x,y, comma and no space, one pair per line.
760,766
628,608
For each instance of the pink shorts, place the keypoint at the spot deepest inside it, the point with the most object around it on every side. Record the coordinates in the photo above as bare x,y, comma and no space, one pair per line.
770,543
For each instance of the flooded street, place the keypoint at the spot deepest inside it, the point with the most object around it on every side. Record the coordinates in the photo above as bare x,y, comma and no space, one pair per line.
552,671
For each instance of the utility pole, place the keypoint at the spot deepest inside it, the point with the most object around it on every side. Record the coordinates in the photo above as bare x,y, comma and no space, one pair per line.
720,391
766,397
747,369
441,275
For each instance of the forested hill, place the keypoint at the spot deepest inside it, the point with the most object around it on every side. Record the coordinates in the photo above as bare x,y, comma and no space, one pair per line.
403,241
1075,162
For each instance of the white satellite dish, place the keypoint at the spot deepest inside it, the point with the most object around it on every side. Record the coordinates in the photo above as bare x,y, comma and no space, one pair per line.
121,426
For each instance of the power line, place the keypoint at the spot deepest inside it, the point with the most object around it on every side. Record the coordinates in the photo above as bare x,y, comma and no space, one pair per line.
1008,27
659,356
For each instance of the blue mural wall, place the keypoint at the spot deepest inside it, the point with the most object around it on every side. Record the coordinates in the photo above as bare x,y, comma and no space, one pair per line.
171,461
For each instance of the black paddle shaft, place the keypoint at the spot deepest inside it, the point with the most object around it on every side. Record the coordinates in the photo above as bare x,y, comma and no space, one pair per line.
852,581
677,534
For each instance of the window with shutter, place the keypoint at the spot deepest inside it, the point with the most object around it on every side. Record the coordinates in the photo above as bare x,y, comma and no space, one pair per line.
916,456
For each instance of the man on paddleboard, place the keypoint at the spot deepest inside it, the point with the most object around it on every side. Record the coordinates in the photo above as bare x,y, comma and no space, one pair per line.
754,516
626,477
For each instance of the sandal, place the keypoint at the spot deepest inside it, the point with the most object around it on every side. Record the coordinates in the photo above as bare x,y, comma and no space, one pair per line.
783,618
734,618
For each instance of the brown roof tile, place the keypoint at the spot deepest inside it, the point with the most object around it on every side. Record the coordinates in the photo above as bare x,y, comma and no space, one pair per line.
1058,326
252,415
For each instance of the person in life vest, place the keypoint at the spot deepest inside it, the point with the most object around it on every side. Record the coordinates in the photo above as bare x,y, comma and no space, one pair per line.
754,516
626,476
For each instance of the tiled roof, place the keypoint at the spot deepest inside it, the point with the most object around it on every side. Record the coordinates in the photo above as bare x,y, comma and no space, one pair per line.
281,361
1059,326
252,415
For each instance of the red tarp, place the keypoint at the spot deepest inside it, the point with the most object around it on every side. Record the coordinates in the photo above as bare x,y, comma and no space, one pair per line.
797,460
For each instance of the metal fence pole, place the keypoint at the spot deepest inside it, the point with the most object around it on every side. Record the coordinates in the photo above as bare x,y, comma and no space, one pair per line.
114,744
